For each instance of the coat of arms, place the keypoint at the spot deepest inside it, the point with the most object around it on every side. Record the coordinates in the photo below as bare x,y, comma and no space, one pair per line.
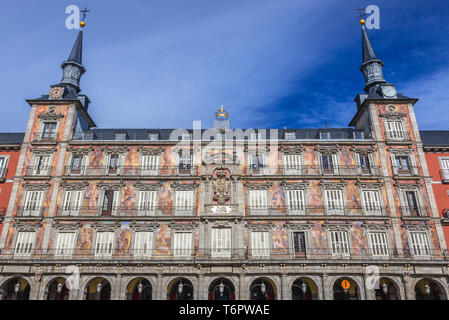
221,185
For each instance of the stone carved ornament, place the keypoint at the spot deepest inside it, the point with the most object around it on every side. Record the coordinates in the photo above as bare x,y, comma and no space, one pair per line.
50,115
337,226
298,226
147,186
36,186
376,226
28,227
111,186
74,186
140,227
328,150
259,227
67,226
150,151
115,150
182,226
222,187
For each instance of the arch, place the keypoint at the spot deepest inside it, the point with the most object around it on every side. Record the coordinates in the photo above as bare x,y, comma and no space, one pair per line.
352,293
221,289
16,288
262,289
56,289
144,292
180,289
304,289
386,289
98,288
429,289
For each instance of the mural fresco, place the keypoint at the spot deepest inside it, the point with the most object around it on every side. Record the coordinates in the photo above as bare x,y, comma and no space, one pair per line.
352,198
318,241
85,240
131,165
315,198
165,201
168,161
39,239
404,241
123,240
128,200
274,162
359,241
311,162
280,239
162,241
277,198
435,242
9,239
90,199
96,161
347,160
62,109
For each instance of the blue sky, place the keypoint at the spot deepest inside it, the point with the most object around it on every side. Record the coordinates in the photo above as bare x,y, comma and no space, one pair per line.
163,64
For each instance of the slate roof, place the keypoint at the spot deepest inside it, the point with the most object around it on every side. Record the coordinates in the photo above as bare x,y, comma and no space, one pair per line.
11,137
435,137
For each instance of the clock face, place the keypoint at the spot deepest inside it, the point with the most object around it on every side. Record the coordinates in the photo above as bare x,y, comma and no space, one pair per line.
56,92
389,91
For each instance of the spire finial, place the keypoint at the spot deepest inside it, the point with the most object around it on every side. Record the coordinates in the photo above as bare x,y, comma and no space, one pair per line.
83,23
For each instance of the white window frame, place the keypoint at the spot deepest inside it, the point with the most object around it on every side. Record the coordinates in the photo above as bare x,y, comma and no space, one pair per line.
256,245
289,135
331,205
261,169
335,163
296,201
404,202
143,244
182,244
4,159
30,209
46,164
221,242
258,201
104,244
83,164
24,238
65,246
421,249
116,201
379,244
146,202
292,164
121,161
184,202
149,164
371,202
359,165
339,242
395,130
444,165
69,204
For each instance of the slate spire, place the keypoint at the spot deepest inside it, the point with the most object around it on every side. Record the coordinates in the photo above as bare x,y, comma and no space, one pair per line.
73,67
371,65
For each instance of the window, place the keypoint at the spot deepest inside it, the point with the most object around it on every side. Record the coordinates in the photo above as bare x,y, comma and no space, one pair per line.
292,163
3,163
185,163
182,244
412,208
290,136
121,136
296,201
329,163
371,202
299,243
260,246
334,202
146,202
258,202
221,243
358,135
49,132
395,130
364,163
24,243
114,164
443,162
111,202
149,164
77,163
72,202
33,203
378,243
339,242
325,135
257,163
153,136
184,202
402,164
65,244
104,243
88,136
41,165
419,244
143,244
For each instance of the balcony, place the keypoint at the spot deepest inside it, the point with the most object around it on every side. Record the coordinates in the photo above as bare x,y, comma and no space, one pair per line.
405,171
444,175
396,136
30,211
51,137
130,171
314,170
122,211
195,255
38,171
415,211
300,210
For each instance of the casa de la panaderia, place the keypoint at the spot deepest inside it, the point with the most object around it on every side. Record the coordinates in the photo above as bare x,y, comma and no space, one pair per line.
272,214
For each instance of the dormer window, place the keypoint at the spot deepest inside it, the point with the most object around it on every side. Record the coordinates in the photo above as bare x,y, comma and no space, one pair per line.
358,135
88,136
395,130
153,136
121,136
186,136
49,131
290,136
325,135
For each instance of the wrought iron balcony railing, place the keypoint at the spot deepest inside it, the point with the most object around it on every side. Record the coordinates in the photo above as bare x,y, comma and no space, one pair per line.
46,136
313,170
397,136
131,171
330,210
123,211
38,171
110,254
416,211
409,170
30,211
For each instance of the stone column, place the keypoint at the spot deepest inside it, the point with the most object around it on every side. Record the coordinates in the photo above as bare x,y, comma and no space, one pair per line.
242,293
284,289
326,293
408,290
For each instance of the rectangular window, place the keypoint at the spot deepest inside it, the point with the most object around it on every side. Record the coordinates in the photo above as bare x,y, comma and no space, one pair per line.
143,244
185,164
88,136
292,164
334,202
72,202
104,243
257,163
149,164
371,202
358,135
33,203
65,244
49,131
290,136
402,164
339,242
221,243
146,202
395,130
296,201
120,136
182,244
77,162
186,136
111,202
444,169
299,243
114,164
153,136
365,163
184,202
3,163
24,243
41,165
258,202
419,244
329,163
260,245
412,207
379,244
325,135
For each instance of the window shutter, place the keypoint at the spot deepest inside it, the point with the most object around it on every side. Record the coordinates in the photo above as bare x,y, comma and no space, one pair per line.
24,243
65,243
339,242
104,243
378,242
335,163
260,244
146,203
371,202
143,244
334,202
221,242
182,244
115,202
296,201
420,244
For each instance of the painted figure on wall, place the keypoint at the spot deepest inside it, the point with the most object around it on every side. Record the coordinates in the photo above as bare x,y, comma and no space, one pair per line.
96,161
90,198
319,239
123,241
280,240
39,239
85,238
167,161
131,161
353,198
128,199
277,198
315,198
165,202
311,162
162,240
359,241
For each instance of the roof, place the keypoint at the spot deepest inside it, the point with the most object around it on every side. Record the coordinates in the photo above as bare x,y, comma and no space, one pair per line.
435,137
11,137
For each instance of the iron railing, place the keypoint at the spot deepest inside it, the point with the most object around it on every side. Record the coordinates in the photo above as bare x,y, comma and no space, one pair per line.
43,136
397,136
409,170
123,211
418,211
38,170
334,210
30,211
131,171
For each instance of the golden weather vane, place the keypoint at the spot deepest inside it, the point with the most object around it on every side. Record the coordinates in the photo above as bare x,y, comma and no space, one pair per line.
362,14
221,113
85,11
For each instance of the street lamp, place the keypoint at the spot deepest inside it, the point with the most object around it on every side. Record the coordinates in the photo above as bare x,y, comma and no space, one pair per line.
59,288
385,288
427,288
221,288
180,287
263,287
99,287
303,287
140,287
17,287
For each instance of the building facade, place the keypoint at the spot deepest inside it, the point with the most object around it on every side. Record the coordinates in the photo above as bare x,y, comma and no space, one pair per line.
222,213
